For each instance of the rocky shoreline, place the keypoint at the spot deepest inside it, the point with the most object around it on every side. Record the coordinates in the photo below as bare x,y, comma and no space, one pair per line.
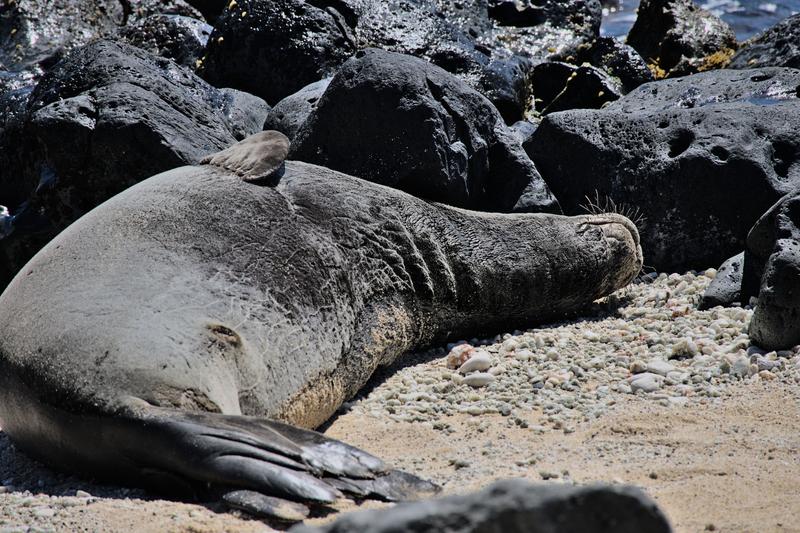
682,135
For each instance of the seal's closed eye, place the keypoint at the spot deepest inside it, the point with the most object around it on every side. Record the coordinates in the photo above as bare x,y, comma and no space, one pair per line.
257,159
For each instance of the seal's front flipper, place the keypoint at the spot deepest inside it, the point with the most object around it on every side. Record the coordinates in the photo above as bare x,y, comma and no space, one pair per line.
274,463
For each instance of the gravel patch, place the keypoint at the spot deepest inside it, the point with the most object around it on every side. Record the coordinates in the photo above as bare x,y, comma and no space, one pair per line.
647,340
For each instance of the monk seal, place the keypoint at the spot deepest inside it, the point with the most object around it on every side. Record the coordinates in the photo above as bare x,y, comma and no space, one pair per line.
182,333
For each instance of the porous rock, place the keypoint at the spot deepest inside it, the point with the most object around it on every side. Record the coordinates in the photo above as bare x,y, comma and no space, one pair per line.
700,157
773,250
560,86
274,48
677,37
182,39
106,117
778,46
402,122
615,58
726,287
36,34
513,506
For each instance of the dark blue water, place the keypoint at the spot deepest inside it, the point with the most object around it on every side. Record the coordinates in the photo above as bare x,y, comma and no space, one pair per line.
747,17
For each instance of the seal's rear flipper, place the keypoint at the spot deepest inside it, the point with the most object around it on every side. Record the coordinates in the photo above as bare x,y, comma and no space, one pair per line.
261,465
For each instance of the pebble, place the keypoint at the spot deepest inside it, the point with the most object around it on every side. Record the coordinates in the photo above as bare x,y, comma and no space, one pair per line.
478,379
647,382
660,367
656,342
44,512
479,361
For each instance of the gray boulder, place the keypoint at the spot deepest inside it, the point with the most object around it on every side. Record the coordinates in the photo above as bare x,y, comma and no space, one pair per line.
513,506
778,46
700,157
182,39
679,38
726,288
400,121
613,57
773,251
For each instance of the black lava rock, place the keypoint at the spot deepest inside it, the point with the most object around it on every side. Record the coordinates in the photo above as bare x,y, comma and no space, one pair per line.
36,34
615,58
290,113
400,121
561,86
182,39
513,506
679,38
104,118
525,28
211,9
778,46
701,157
726,288
274,48
773,250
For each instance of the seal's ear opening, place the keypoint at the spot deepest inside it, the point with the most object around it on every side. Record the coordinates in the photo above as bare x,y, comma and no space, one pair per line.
259,159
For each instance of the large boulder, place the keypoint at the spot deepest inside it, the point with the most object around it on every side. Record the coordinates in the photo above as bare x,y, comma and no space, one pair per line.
701,157
778,46
613,57
513,506
773,251
560,86
104,118
274,48
182,39
400,121
36,34
677,37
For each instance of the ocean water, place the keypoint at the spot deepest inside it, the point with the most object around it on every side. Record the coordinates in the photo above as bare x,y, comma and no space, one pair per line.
747,17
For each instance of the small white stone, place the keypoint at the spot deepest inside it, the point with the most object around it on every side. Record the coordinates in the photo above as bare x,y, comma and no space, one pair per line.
660,367
740,367
685,348
44,512
84,494
478,379
523,355
647,382
478,361
509,345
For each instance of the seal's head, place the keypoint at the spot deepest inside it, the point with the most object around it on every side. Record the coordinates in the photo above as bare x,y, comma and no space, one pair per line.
622,247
